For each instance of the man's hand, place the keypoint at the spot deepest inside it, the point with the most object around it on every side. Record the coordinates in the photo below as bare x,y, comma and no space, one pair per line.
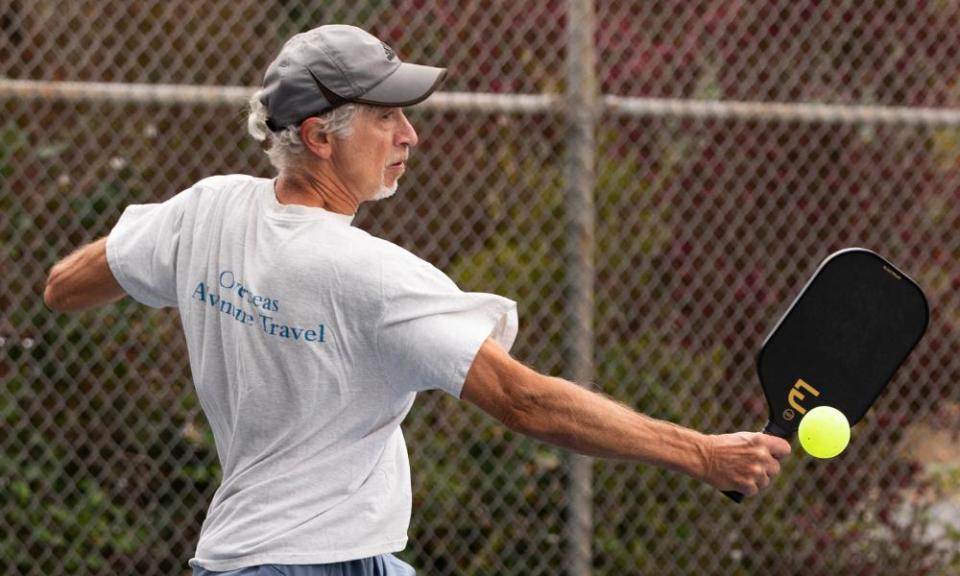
82,280
744,461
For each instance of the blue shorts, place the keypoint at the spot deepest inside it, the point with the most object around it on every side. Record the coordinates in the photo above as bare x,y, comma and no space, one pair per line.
383,565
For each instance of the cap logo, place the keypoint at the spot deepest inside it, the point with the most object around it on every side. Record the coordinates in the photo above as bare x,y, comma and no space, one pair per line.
389,51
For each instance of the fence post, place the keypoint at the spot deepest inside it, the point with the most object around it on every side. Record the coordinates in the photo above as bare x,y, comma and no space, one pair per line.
580,110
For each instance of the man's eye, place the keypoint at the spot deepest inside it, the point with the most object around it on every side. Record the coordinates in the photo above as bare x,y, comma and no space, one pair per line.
387,115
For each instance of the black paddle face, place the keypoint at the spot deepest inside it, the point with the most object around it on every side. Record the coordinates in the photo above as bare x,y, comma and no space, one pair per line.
842,339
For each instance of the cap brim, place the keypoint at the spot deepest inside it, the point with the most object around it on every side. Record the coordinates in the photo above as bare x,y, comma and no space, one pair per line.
410,84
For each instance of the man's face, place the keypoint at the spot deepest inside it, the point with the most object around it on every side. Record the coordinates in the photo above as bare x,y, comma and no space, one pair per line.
371,160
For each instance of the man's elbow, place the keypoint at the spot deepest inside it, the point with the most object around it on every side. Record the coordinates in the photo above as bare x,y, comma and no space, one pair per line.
62,295
525,414
507,390
54,295
82,280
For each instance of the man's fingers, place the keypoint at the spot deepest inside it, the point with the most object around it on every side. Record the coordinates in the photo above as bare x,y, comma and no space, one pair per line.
779,448
774,449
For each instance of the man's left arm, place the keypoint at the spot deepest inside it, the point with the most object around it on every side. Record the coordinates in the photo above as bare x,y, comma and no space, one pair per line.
82,280
567,415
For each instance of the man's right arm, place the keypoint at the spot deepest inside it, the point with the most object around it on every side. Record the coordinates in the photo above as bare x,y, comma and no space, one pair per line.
565,414
82,280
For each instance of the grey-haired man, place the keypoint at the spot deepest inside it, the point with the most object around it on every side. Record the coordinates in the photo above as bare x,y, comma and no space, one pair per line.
309,338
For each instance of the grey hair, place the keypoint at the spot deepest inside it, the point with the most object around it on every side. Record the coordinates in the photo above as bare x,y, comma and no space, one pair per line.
285,148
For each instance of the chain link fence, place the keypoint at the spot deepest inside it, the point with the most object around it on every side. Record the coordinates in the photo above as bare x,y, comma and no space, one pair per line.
735,145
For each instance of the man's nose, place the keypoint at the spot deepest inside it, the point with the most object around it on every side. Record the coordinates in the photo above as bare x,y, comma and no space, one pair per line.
407,136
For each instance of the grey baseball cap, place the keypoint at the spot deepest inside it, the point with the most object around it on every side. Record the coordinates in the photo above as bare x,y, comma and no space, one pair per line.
321,69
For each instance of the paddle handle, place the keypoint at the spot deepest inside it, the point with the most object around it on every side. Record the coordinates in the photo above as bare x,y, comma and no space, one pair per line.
773,430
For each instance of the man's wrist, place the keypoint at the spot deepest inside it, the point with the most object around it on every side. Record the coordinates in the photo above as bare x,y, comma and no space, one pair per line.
702,457
685,450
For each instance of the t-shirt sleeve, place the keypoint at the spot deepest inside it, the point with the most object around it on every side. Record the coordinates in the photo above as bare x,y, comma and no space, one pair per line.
431,331
142,250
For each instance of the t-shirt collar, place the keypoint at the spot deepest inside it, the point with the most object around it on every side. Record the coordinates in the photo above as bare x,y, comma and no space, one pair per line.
305,212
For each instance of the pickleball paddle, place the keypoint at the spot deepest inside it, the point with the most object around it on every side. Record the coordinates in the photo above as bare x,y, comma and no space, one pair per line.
841,341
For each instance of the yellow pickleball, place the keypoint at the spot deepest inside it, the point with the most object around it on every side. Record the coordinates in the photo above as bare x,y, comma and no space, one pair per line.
824,432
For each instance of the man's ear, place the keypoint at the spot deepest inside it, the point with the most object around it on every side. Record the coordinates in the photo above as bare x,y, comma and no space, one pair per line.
318,142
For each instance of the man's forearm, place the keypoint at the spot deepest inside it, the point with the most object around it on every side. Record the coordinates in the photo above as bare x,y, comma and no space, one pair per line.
82,280
562,413
570,416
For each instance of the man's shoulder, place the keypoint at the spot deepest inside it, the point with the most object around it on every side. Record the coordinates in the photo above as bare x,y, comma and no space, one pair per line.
222,190
393,255
372,255
230,182
404,268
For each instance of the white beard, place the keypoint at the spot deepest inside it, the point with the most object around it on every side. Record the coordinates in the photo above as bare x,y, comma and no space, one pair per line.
386,191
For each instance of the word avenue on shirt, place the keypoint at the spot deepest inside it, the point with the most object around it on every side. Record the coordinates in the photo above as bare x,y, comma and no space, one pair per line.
269,325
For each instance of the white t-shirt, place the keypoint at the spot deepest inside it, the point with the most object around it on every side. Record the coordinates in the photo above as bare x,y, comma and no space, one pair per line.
308,339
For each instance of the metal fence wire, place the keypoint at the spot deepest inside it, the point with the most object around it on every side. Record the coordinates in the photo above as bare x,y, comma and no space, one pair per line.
730,146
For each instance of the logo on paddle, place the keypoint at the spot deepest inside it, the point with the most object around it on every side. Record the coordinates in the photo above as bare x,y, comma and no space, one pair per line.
797,394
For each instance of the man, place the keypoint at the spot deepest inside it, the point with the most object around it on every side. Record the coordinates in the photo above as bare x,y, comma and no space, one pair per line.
308,338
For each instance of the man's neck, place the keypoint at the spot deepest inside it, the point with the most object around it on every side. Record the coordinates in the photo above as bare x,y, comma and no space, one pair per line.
315,190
